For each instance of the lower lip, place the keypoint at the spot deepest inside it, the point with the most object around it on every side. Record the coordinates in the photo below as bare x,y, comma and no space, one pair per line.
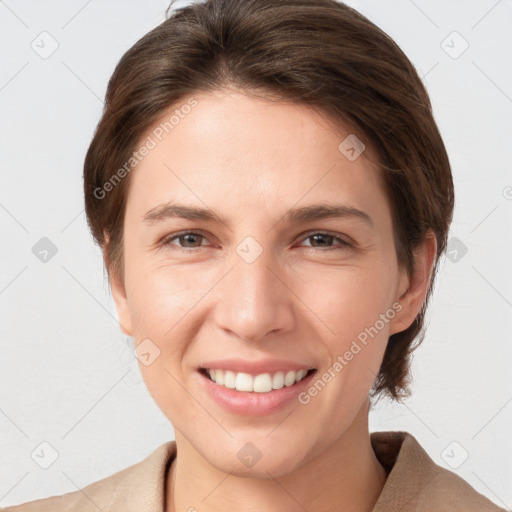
253,403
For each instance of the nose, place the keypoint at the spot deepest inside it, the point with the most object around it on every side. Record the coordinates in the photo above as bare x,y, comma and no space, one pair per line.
254,300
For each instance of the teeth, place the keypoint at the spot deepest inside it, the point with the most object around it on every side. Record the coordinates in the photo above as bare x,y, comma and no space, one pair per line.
277,380
262,383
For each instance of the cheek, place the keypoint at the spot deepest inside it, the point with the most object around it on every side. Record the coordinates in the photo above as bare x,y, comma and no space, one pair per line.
348,300
159,307
356,305
161,296
164,302
158,302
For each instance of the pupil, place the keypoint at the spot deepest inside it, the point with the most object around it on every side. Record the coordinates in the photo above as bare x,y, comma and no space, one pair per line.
317,237
189,238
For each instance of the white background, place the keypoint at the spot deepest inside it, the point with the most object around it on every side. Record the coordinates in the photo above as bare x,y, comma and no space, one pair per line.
68,376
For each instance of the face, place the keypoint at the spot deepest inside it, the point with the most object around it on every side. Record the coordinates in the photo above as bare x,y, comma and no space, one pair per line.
231,265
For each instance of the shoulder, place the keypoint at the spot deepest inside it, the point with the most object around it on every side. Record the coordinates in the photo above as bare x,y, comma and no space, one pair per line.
137,487
416,483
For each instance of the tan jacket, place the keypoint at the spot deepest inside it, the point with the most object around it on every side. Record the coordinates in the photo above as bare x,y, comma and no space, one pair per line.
414,484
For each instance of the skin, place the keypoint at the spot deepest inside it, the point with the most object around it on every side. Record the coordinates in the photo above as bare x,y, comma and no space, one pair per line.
251,160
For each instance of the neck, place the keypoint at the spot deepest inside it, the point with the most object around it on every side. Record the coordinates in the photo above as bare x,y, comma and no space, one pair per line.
345,477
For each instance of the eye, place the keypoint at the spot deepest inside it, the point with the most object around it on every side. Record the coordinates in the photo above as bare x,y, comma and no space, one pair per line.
324,239
189,238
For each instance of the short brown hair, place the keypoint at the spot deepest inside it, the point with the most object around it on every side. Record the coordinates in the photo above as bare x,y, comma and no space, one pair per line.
320,53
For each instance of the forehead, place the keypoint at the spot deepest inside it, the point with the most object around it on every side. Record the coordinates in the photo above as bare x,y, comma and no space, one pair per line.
232,151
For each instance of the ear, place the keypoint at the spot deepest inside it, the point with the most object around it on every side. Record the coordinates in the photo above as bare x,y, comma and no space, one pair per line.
119,294
413,289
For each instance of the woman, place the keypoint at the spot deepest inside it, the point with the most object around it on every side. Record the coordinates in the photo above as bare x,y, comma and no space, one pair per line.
272,197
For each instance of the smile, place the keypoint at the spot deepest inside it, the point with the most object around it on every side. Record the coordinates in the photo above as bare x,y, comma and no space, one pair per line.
262,383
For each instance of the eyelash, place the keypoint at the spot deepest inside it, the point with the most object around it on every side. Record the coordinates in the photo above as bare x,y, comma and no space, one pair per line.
343,244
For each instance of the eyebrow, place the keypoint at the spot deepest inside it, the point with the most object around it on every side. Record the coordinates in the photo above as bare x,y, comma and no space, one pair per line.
294,216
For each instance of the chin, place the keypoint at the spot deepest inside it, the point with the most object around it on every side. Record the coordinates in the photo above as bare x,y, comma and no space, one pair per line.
270,466
262,458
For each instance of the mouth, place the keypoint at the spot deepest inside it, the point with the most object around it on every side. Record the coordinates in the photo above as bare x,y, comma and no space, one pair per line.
260,383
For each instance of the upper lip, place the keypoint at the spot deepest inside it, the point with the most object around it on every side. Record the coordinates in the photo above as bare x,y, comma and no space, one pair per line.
255,367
